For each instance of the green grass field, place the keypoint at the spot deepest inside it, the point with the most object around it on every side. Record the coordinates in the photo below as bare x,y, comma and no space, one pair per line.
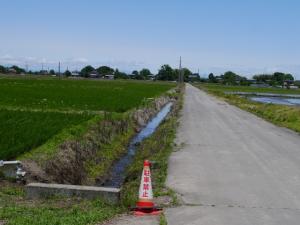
34,110
87,95
23,131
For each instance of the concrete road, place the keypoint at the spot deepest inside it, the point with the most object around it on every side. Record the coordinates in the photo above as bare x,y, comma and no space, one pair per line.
234,168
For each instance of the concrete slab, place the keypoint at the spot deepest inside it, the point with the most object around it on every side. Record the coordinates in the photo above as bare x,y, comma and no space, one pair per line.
41,190
202,215
9,168
133,220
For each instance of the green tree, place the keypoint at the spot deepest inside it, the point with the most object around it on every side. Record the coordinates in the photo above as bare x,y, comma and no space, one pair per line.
230,78
288,77
3,69
87,70
120,75
52,72
105,70
244,81
18,69
212,78
67,73
145,73
263,78
277,78
186,73
166,73
135,72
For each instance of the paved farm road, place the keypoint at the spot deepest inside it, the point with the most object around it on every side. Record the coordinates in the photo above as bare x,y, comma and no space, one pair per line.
234,168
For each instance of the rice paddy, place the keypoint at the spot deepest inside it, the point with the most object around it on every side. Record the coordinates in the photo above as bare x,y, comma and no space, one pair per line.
34,110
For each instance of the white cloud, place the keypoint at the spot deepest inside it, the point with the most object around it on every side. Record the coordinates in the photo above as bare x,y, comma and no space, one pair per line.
80,60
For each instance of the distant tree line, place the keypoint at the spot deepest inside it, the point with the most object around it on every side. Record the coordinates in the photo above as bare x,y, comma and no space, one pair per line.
231,78
277,78
165,73
143,74
228,78
12,69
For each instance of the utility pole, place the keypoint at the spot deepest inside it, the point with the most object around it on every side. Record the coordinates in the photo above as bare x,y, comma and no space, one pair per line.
180,75
59,69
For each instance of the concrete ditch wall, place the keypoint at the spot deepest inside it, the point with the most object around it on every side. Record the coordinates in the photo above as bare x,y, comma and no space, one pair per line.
42,190
9,168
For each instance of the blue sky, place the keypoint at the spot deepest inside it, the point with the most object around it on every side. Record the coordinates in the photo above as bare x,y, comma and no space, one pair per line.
249,36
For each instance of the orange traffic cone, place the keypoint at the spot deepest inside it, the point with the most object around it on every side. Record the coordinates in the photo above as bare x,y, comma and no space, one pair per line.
145,205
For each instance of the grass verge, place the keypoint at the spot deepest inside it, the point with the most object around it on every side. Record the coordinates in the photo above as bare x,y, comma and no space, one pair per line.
163,220
16,210
284,116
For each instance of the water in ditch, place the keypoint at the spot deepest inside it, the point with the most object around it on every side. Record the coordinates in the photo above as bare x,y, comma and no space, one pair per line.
277,100
118,171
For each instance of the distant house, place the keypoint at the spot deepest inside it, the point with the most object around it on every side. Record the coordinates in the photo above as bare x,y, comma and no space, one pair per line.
44,72
194,76
109,77
131,76
94,74
219,79
152,77
75,73
252,81
12,70
287,84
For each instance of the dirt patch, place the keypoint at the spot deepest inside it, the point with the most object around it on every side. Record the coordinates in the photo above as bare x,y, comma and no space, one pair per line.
35,172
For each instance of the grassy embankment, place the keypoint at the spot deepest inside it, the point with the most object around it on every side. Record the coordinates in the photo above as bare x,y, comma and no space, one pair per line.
15,209
285,116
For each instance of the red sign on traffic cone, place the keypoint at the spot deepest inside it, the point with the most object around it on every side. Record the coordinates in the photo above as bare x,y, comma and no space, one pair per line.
145,205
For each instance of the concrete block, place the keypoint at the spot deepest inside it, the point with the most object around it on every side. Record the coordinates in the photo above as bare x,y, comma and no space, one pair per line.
42,190
9,168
